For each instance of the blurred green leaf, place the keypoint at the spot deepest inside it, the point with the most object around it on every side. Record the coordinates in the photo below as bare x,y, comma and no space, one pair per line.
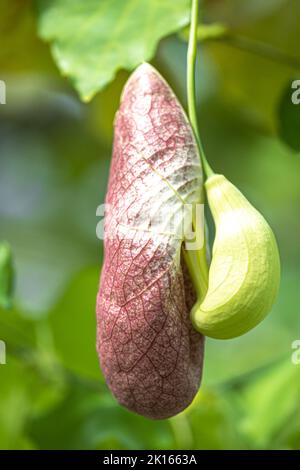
206,424
94,421
14,404
24,394
6,275
73,325
16,330
269,403
92,40
23,49
289,119
237,12
257,98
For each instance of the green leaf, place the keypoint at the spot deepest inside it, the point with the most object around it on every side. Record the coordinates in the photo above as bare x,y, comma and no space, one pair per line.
24,395
6,275
237,12
17,331
73,325
23,51
206,424
289,117
270,403
93,420
92,40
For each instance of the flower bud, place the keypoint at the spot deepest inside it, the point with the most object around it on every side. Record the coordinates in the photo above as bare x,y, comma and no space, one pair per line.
244,274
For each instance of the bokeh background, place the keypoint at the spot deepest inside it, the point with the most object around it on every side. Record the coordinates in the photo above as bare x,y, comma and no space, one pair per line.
54,162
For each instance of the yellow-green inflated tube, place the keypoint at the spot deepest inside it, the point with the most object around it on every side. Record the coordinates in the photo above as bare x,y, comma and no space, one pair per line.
244,274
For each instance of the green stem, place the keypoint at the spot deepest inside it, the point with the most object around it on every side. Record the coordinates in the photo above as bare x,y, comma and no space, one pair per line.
196,259
191,88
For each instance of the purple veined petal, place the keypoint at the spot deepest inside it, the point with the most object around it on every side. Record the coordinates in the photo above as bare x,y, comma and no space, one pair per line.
149,353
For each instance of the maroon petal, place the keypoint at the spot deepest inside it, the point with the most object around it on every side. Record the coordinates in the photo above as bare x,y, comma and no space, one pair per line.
150,355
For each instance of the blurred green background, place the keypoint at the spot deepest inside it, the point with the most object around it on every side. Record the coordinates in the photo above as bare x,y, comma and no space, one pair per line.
54,162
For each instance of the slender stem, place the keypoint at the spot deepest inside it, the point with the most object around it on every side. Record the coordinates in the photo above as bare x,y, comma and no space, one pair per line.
196,259
191,88
198,270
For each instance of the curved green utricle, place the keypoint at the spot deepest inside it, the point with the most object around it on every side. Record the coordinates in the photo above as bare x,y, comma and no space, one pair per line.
244,274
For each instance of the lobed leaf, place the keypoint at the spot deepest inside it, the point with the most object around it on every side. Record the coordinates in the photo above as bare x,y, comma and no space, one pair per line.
92,40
